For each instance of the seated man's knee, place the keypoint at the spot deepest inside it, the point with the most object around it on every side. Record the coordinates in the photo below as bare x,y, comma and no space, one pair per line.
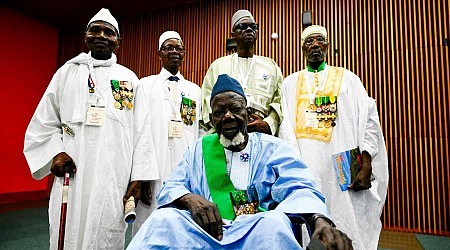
276,218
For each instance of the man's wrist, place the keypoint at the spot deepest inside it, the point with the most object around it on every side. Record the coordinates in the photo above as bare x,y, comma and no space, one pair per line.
317,216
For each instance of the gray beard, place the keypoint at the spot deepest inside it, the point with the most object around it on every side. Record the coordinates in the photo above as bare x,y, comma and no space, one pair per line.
237,140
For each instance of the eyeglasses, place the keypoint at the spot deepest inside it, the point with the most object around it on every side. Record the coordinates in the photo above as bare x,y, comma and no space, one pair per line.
244,26
310,40
170,48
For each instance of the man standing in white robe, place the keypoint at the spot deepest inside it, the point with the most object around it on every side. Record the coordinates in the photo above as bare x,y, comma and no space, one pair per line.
261,172
327,111
92,122
260,77
174,103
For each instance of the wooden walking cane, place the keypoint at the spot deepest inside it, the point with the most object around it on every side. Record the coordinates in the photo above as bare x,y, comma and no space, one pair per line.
65,196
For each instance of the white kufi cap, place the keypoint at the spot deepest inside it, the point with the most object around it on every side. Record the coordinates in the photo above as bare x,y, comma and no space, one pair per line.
239,15
168,35
314,29
105,16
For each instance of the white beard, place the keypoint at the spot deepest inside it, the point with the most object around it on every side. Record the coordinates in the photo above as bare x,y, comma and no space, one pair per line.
237,140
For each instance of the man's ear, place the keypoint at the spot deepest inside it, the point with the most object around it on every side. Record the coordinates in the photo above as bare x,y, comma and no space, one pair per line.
119,41
159,55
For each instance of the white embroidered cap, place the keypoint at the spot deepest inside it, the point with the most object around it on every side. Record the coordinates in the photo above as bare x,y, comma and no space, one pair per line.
314,29
168,35
105,15
239,15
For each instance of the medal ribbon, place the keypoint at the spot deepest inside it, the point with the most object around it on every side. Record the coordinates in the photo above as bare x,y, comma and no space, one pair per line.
219,182
93,79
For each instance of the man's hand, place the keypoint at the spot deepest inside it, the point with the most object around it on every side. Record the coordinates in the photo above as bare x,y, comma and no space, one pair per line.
330,237
204,213
134,189
256,124
146,193
62,163
362,178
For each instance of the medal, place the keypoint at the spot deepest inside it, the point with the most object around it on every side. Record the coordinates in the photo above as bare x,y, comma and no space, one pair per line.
116,96
312,107
187,110
321,124
333,107
91,84
327,123
129,105
117,105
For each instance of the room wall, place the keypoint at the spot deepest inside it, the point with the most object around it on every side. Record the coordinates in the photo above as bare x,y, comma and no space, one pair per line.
27,63
400,52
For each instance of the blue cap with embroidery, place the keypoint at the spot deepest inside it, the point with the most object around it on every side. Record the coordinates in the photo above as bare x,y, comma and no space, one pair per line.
227,83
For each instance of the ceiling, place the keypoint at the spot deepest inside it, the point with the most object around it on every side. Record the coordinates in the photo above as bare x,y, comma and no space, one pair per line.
75,13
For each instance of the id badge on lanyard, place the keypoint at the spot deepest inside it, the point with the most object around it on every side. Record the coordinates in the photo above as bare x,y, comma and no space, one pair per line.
96,115
175,123
96,112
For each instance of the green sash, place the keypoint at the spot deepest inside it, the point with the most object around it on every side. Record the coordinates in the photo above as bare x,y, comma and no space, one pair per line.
219,182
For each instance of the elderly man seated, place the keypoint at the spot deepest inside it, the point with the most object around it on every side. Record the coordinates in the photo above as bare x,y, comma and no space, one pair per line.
235,190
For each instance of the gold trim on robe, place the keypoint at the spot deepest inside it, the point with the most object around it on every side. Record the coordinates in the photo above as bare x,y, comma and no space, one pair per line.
331,88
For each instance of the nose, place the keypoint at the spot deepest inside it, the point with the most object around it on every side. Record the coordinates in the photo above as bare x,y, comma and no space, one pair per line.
228,115
101,34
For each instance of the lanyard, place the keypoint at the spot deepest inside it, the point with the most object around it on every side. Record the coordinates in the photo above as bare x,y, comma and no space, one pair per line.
92,80
244,79
311,94
171,91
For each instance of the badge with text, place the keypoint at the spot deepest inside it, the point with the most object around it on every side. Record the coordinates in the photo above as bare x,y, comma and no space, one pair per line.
95,115
175,128
311,119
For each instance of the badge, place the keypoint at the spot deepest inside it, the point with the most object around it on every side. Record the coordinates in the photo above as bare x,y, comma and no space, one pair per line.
175,128
244,157
311,119
117,105
95,115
